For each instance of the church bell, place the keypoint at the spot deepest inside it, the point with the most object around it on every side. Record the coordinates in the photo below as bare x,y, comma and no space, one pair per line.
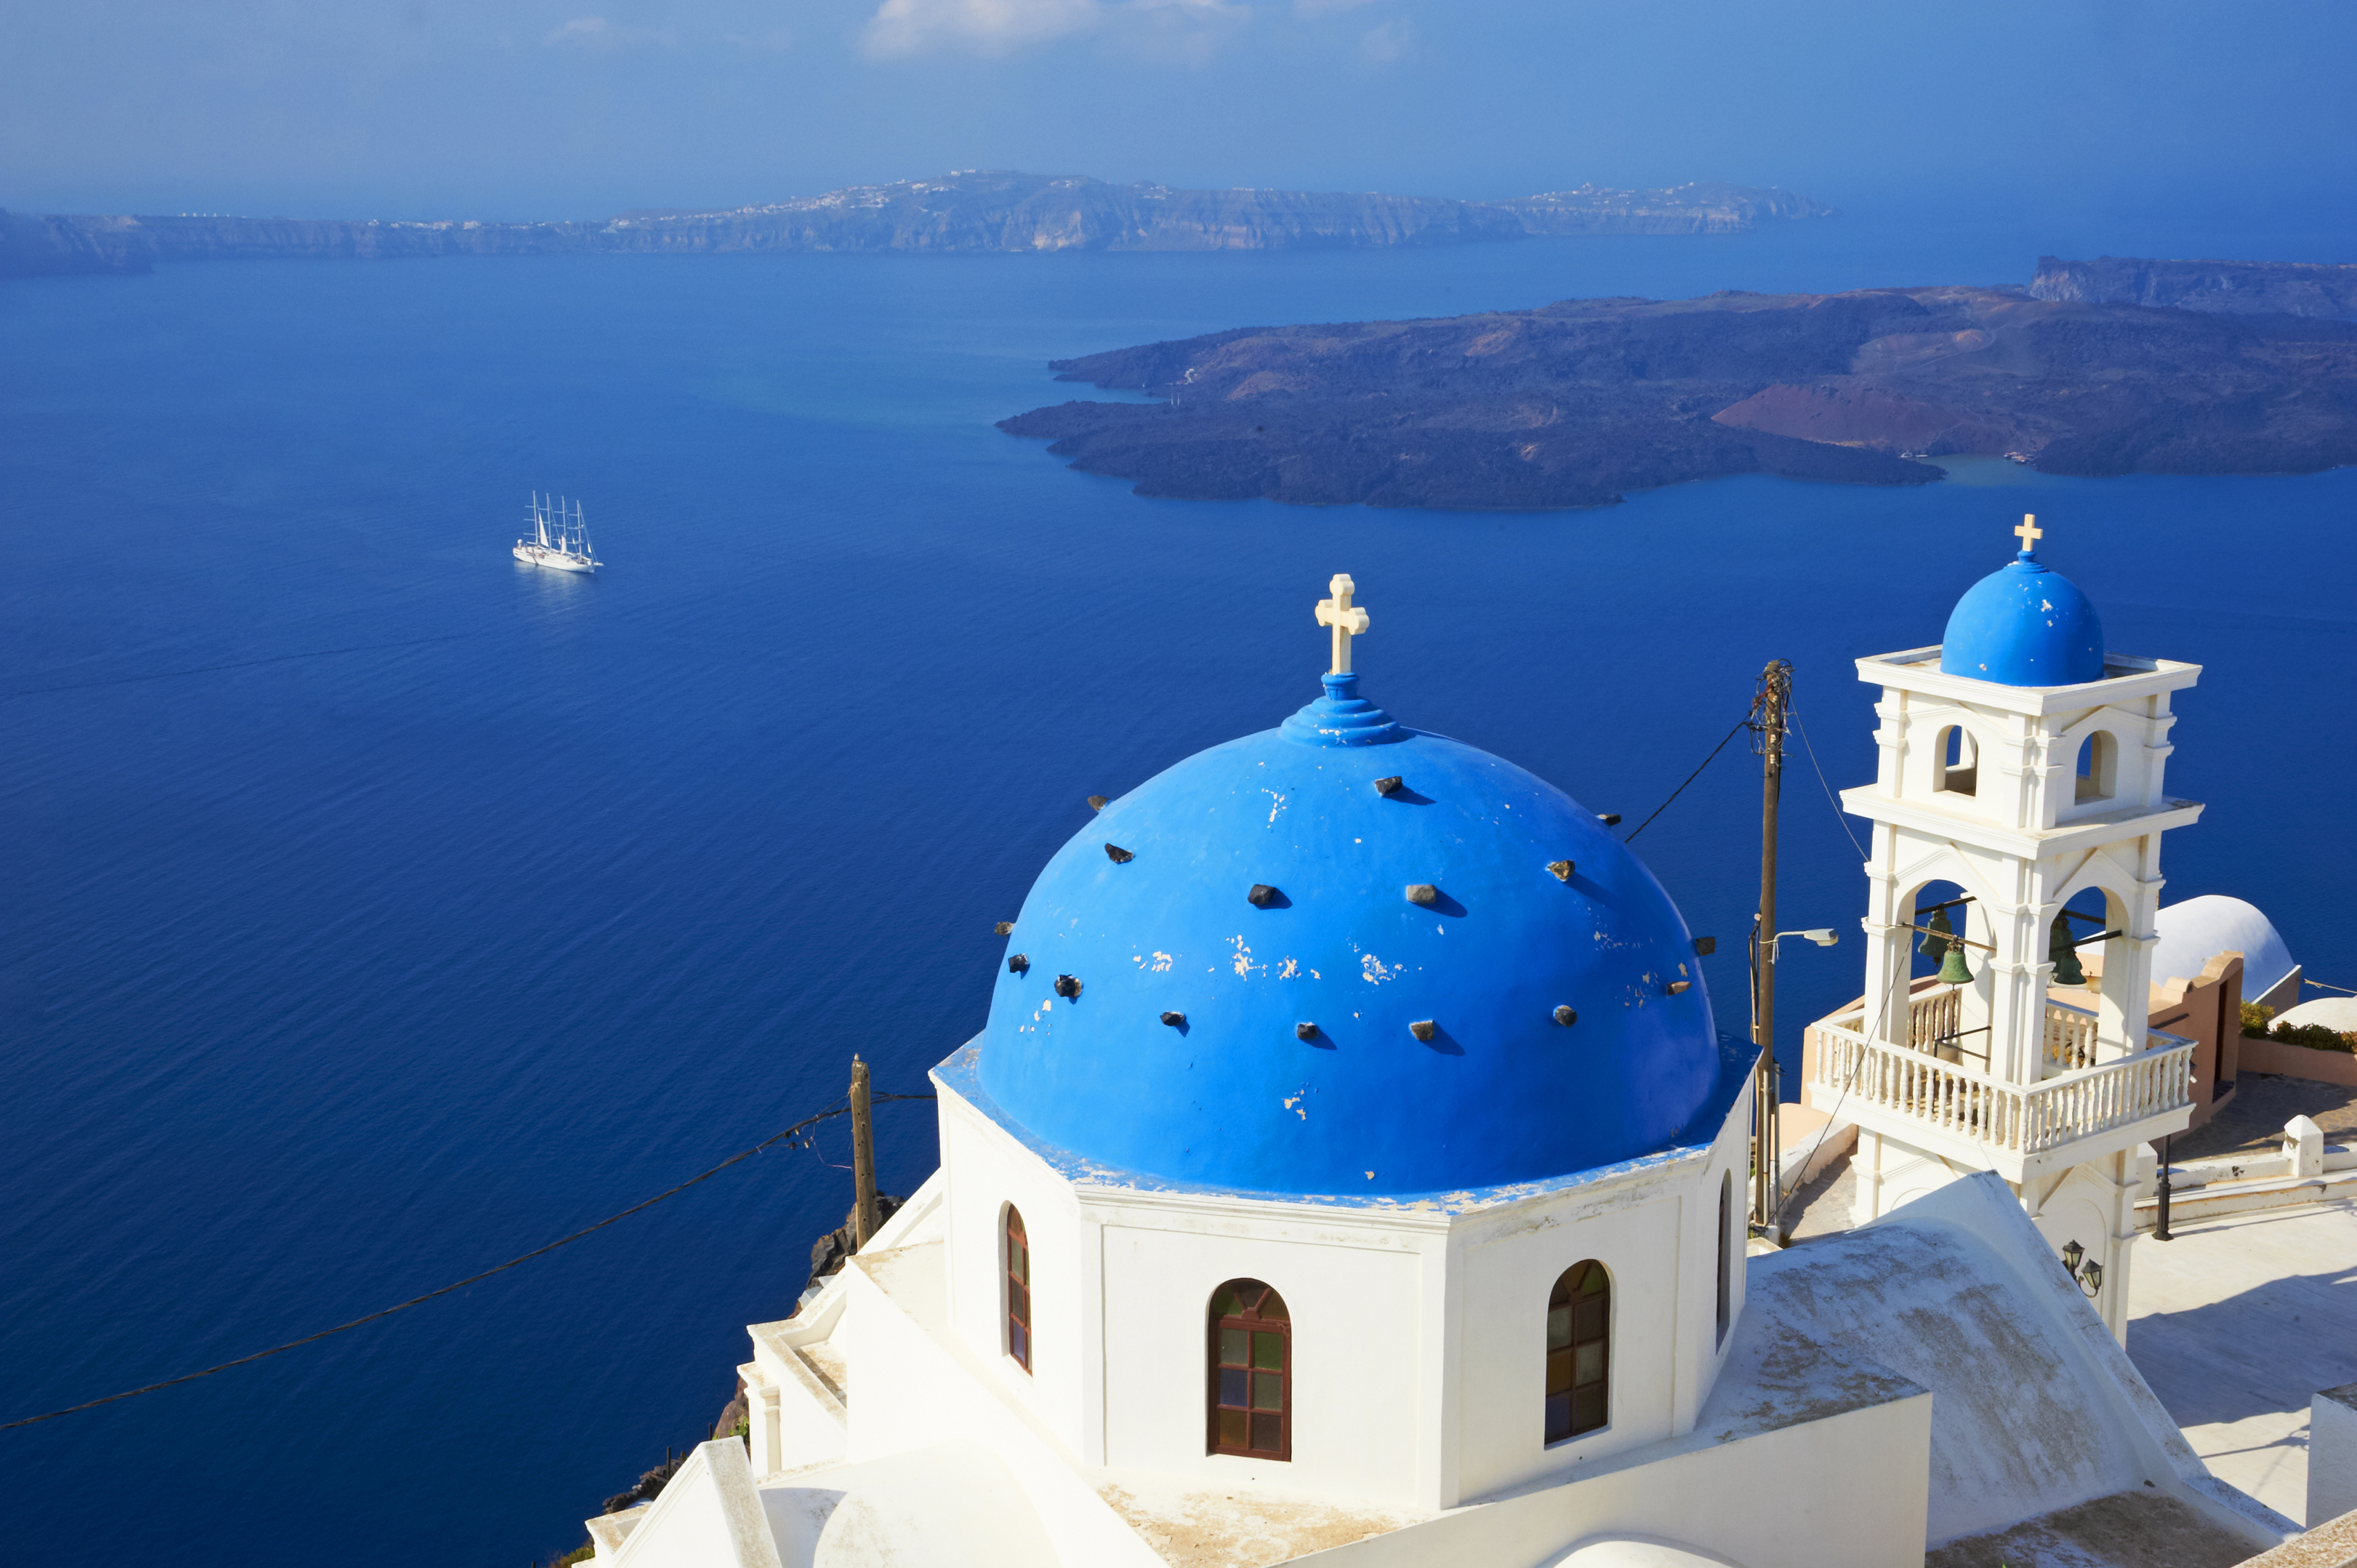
1940,941
2063,955
1953,970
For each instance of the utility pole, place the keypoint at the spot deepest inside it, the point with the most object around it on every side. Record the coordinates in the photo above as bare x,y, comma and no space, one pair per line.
864,1222
1768,711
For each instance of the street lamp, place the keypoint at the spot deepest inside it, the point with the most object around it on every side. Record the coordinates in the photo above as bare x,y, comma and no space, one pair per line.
1768,1154
1824,936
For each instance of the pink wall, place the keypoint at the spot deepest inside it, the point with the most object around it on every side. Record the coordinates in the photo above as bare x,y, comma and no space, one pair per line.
2298,1061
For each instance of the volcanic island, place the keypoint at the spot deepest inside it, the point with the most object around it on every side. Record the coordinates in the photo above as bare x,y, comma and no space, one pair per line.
2111,367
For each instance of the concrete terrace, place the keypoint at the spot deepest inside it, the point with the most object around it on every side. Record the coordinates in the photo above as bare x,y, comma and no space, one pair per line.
2236,1323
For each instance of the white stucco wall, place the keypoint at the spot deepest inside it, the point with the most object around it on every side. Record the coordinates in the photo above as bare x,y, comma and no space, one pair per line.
984,1170
1845,1492
1657,1236
1361,1336
1419,1329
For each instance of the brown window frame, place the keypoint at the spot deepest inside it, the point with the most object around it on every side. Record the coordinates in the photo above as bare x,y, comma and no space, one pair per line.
1244,1379
1580,1330
1726,1254
1015,1245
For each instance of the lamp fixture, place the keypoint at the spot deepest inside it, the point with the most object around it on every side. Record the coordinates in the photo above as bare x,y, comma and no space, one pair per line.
2084,1271
1824,936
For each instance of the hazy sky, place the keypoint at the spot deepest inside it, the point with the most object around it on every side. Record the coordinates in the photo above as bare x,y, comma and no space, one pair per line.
580,108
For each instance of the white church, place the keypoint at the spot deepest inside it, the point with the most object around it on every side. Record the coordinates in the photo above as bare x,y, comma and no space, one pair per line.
1350,1171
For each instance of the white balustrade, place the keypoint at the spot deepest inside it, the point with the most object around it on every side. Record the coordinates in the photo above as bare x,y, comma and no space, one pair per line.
2016,1119
1932,1015
2070,1038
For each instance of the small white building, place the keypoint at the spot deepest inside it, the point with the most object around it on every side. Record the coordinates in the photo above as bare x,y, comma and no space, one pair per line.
1351,1168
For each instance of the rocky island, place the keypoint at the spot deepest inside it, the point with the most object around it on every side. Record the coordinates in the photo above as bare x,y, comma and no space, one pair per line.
975,209
1574,403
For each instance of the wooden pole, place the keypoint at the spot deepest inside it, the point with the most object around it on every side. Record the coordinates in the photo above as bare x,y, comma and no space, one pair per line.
863,1158
1768,722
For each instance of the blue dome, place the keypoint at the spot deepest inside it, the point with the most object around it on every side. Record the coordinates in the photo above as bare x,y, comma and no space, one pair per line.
2024,625
1270,884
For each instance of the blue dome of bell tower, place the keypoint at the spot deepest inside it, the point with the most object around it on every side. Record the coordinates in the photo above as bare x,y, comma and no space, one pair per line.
1346,957
2024,625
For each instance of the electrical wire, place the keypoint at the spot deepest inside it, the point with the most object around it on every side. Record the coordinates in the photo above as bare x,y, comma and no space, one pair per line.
1839,815
1858,1060
806,1123
1681,789
237,664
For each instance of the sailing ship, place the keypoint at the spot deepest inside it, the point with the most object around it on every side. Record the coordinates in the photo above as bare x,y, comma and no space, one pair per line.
558,539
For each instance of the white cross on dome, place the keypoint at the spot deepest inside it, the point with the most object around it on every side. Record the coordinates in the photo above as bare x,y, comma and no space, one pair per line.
1347,620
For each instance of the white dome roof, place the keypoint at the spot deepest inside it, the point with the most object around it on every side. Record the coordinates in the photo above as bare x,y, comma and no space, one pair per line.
2198,930
2333,1012
1636,1552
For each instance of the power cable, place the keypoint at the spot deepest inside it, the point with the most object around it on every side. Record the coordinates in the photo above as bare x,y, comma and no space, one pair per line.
1839,815
1681,789
798,1127
238,664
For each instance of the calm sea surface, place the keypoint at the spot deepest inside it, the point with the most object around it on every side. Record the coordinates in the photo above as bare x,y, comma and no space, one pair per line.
373,909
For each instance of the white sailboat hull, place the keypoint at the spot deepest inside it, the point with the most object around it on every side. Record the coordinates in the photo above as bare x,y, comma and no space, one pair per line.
555,560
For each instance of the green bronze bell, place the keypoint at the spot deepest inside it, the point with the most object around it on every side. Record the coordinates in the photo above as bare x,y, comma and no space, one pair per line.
2063,955
1939,938
1952,968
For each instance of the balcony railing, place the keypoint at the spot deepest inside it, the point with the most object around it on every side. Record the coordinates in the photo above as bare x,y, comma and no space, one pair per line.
2070,1038
2017,1119
1936,1020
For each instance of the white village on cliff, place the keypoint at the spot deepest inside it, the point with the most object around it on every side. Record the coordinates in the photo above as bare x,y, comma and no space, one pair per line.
1350,1171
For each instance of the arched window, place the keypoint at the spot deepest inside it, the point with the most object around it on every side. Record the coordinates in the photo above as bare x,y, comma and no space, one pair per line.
2098,760
1251,1372
1725,1253
1955,761
1018,1290
1578,1358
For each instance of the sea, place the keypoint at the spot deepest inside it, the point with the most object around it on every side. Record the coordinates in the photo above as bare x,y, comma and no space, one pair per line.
376,909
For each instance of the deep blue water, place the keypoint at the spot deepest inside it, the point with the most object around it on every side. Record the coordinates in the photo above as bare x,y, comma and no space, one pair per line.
373,908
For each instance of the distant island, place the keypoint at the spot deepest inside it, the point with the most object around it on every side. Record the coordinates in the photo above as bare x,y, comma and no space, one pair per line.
971,210
1574,403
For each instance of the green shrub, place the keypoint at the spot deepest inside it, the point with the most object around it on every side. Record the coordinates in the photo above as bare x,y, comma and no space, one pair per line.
2315,1036
2254,1018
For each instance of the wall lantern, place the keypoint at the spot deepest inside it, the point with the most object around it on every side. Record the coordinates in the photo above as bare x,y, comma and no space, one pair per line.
2084,1272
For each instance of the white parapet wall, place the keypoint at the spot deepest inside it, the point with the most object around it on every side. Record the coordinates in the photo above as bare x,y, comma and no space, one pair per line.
2332,1455
708,1516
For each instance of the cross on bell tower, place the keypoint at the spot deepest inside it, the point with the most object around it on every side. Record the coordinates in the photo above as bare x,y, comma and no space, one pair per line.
2030,532
1347,620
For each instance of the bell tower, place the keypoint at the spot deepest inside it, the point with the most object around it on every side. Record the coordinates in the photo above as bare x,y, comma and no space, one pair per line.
2019,763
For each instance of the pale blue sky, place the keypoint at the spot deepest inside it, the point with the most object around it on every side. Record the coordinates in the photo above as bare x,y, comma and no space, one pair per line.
580,108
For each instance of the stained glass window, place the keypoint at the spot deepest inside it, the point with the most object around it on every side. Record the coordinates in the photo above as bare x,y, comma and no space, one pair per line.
1578,1360
1251,1372
1019,1291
